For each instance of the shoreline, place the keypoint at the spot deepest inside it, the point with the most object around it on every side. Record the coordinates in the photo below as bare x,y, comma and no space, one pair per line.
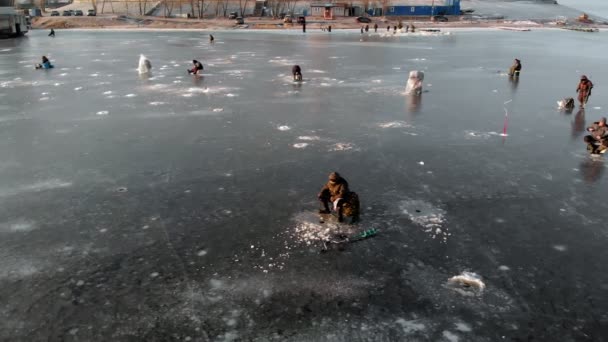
124,23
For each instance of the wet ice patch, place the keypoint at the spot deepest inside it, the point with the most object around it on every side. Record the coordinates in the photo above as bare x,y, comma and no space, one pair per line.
427,216
467,284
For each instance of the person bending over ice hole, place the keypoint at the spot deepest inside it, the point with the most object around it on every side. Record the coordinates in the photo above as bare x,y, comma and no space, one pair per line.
344,201
597,141
296,71
515,68
584,90
196,68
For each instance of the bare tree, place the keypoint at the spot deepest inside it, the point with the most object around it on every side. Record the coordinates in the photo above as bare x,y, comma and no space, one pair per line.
42,4
201,8
143,4
168,7
94,5
243,7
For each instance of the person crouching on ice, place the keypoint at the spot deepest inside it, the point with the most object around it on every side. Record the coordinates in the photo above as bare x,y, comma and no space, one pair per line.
345,202
599,134
296,71
196,68
46,64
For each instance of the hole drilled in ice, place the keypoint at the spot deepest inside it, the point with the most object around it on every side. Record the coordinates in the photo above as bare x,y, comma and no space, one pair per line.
121,189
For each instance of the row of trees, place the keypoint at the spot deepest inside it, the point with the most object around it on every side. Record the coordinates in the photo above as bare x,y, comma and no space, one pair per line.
221,7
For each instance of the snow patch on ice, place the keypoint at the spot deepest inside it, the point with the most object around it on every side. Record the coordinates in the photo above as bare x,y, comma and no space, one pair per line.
102,112
394,124
560,248
283,128
409,327
36,187
341,147
464,327
429,217
300,145
451,337
17,226
309,138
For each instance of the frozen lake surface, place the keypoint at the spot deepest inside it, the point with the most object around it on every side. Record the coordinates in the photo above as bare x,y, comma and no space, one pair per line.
175,208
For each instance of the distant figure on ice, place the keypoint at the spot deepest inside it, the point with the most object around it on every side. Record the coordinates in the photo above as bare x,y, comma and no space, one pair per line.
366,28
413,28
144,65
344,201
395,29
46,64
211,39
515,68
597,141
407,28
52,34
414,83
296,71
329,28
362,29
388,28
196,67
584,90
375,27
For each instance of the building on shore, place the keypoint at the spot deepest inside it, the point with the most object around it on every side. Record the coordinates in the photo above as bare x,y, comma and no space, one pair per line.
331,9
12,23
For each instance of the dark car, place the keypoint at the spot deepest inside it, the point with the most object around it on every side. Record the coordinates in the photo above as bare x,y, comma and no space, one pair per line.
232,15
54,14
364,20
239,21
91,13
66,13
440,18
78,13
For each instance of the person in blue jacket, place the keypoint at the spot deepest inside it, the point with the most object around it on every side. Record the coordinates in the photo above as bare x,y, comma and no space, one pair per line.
46,64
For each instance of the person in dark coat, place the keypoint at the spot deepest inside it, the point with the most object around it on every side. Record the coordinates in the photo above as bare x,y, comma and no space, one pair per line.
196,67
336,191
211,38
584,90
296,71
375,27
515,68
52,34
366,28
388,28
599,134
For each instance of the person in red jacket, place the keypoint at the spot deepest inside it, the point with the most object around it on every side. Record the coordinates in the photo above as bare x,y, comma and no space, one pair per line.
584,90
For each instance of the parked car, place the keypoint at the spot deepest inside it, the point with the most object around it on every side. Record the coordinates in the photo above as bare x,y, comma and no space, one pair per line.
78,13
287,19
91,13
66,13
364,20
239,21
440,18
233,15
54,13
301,20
